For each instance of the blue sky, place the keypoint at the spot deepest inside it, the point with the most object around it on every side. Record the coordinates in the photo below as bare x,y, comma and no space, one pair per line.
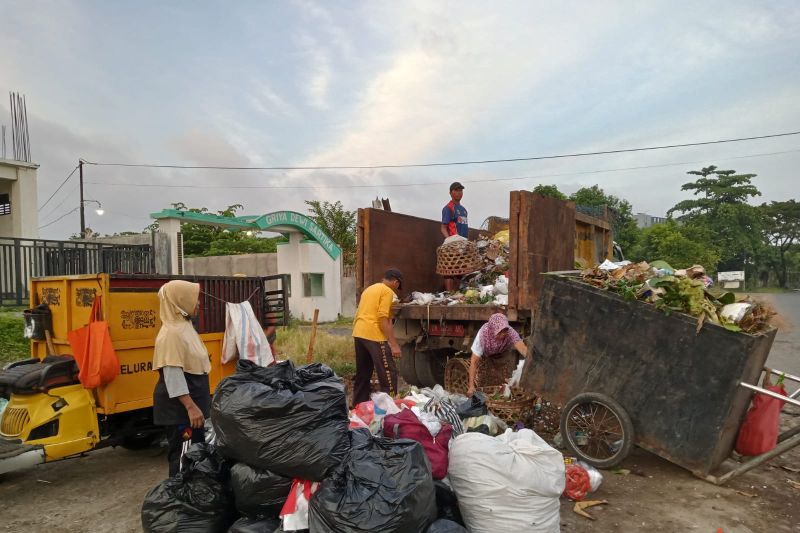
349,83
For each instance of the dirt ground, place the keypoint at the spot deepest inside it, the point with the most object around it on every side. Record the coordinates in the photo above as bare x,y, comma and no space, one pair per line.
103,491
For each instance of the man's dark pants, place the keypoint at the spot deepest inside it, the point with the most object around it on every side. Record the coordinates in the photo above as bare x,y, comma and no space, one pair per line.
378,356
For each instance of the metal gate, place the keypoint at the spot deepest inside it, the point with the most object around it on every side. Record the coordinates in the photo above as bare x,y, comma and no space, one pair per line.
21,259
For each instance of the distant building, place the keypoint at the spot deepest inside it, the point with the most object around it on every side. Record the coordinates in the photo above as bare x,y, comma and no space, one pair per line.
643,220
18,199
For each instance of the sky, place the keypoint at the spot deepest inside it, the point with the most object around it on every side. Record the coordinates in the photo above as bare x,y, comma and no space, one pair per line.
335,83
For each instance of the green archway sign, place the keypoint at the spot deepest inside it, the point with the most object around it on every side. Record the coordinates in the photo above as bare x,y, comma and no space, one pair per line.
279,221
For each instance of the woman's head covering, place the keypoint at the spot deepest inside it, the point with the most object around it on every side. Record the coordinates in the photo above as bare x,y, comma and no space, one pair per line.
177,343
491,344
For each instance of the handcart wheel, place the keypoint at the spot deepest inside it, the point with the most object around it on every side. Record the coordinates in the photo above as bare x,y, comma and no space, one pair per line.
597,429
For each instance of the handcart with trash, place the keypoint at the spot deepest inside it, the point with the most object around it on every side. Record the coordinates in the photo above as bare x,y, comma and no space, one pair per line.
627,373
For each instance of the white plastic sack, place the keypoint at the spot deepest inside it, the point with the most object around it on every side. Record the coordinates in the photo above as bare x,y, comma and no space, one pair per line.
501,285
516,376
735,312
384,405
429,420
244,336
501,299
507,483
422,298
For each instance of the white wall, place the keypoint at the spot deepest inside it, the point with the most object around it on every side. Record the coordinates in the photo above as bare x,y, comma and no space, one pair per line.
18,179
296,258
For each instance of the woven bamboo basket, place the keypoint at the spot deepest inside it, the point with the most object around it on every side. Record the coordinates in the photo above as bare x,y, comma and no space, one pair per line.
519,407
457,258
456,375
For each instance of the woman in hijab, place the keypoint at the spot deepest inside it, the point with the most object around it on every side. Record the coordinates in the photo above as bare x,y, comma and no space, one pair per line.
181,399
493,339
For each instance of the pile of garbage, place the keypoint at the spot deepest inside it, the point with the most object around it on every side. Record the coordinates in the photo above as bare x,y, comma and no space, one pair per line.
487,285
688,291
287,455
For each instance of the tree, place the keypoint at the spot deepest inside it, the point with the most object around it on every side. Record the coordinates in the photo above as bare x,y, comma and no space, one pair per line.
203,240
781,228
592,200
680,246
550,191
338,223
722,208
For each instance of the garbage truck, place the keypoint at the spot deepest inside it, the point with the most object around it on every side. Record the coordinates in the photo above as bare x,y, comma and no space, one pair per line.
50,415
545,235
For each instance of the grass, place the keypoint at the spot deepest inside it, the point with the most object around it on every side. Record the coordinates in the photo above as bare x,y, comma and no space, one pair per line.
336,351
13,346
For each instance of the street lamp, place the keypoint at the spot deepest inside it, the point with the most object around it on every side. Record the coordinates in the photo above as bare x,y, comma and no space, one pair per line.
99,209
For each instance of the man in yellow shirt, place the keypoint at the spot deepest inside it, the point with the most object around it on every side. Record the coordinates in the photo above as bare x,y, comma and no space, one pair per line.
376,345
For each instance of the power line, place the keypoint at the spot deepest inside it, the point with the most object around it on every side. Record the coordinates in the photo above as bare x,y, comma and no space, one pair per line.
59,187
59,218
66,197
453,163
386,185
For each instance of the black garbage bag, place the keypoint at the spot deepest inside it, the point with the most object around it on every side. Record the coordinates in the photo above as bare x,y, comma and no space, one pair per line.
474,406
447,503
290,422
384,485
446,526
255,525
197,500
258,492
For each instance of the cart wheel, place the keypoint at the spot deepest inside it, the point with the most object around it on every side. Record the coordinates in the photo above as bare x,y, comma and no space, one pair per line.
597,429
406,365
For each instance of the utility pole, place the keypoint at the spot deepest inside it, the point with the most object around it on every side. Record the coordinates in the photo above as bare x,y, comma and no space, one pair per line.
83,215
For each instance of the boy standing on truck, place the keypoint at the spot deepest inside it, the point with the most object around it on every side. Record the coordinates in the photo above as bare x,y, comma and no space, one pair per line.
376,345
454,215
454,222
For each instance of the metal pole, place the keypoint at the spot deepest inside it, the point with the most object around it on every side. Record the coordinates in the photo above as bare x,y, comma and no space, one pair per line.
83,215
750,464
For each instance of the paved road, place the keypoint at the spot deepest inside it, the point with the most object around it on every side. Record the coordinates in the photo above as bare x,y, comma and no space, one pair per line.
785,354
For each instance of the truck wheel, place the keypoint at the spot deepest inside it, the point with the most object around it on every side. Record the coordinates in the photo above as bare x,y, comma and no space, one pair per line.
597,429
406,364
141,441
430,367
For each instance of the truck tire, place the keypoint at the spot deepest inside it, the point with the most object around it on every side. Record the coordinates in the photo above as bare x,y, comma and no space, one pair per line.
597,429
430,367
406,364
141,441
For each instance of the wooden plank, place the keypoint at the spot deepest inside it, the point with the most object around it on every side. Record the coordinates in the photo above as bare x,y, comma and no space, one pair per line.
592,221
446,312
513,232
313,340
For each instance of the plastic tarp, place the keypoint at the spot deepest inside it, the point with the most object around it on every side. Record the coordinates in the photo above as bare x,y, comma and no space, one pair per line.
384,485
194,501
290,422
258,492
514,486
447,503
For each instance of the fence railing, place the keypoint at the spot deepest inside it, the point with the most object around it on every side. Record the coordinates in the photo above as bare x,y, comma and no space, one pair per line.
22,259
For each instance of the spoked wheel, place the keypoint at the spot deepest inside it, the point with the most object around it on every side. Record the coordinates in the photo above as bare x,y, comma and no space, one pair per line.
597,429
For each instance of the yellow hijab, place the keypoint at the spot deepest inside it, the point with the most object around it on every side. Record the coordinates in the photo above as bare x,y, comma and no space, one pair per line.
177,343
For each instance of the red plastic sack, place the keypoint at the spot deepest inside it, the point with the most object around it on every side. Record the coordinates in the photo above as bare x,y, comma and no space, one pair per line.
94,354
365,411
759,432
578,483
406,425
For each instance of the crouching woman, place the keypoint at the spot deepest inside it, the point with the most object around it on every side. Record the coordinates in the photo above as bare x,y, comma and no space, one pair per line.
181,399
489,348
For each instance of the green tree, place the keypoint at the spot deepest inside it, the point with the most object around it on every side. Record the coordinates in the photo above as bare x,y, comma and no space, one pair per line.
550,191
338,223
203,240
678,245
781,229
593,201
721,207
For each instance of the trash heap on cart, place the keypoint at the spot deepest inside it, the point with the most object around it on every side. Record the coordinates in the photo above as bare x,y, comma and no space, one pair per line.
288,455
